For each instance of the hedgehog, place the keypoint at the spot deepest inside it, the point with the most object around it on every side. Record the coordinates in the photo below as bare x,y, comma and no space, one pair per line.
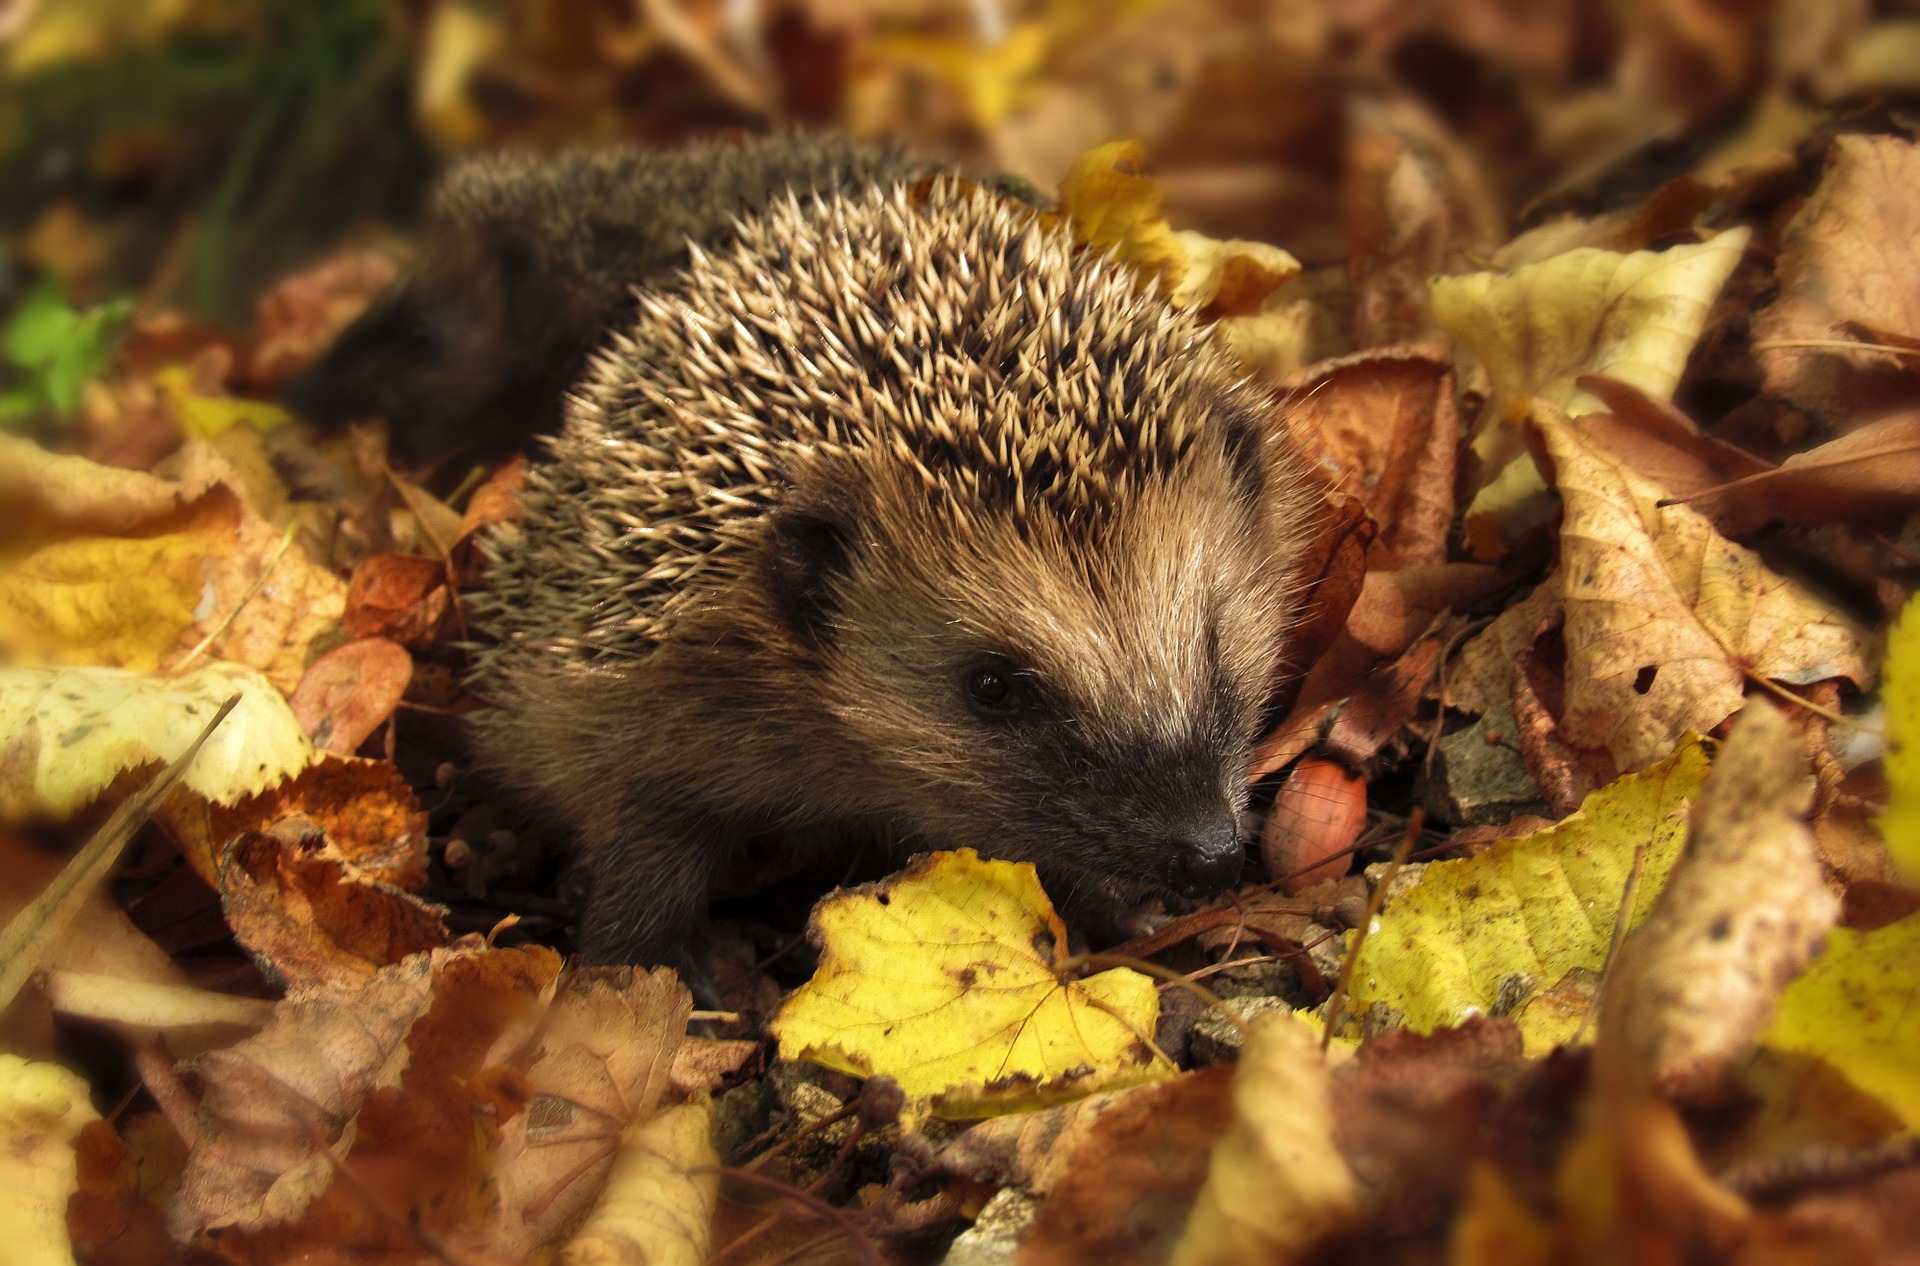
529,260
898,523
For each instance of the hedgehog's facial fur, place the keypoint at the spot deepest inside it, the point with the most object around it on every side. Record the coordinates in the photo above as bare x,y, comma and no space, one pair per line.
1125,662
467,354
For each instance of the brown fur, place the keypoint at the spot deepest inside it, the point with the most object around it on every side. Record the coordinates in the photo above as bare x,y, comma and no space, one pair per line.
874,447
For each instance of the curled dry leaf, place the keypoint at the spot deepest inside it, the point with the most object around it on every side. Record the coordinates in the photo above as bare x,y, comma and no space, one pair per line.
1739,919
1127,1184
67,733
1485,935
308,917
947,978
1382,428
1632,317
364,808
1277,1185
1846,276
349,692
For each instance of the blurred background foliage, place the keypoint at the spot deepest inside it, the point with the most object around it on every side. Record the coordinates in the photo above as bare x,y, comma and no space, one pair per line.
185,153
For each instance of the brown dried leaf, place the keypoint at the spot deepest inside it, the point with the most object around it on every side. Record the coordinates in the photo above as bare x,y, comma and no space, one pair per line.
392,1077
300,317
1741,916
400,596
1132,1175
601,1061
1664,619
349,692
1382,428
1846,275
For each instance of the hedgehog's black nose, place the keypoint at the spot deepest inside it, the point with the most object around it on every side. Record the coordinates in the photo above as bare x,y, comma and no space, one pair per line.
1208,859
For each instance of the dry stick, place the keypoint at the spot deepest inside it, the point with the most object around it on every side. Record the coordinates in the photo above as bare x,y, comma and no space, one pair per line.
259,583
32,932
1338,1002
869,1251
1824,713
1804,468
804,1133
1620,918
1832,345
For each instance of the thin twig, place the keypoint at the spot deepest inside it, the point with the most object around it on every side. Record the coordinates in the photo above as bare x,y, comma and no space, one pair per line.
1338,1002
1620,920
1832,345
868,1250
1823,713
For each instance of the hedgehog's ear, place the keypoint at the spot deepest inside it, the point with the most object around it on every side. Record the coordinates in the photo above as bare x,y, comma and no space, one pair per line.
809,544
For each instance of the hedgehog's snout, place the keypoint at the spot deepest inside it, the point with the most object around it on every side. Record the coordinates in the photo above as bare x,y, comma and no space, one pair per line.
1207,858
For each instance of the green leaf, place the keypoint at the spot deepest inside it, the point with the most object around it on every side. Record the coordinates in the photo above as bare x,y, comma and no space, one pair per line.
40,327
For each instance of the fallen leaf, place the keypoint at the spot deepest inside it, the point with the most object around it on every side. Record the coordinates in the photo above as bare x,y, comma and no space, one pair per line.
1853,1009
364,809
67,733
1665,619
1844,279
389,1075
43,1108
1482,935
1381,427
1277,1186
1127,1185
947,979
300,317
1738,920
602,1062
349,692
1631,317
1900,696
658,1205
206,416
400,596
310,918
1113,206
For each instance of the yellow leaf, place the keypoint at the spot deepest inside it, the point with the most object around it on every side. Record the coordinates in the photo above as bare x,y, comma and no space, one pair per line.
67,733
657,1206
1854,1008
1277,1184
127,570
1114,206
42,1108
1900,694
209,416
459,39
1631,317
120,601
947,979
1475,935
1587,311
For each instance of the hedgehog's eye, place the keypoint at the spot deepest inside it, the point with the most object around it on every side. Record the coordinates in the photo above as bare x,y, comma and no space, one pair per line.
995,688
